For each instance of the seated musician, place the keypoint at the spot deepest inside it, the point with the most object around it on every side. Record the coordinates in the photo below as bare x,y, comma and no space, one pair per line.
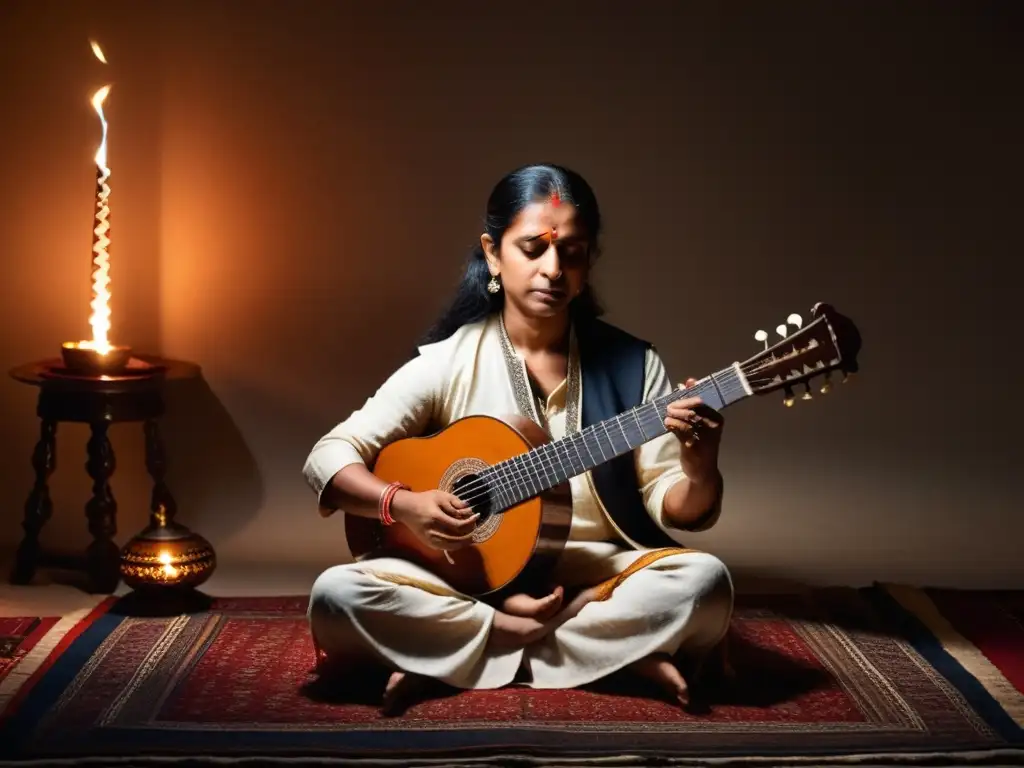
523,336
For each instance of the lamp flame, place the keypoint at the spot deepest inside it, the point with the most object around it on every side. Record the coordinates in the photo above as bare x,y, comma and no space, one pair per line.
168,569
100,304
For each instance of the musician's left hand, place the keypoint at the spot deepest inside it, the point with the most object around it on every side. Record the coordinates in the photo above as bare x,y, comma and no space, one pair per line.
699,429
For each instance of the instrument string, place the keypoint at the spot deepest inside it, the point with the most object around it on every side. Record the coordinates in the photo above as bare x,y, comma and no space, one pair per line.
520,472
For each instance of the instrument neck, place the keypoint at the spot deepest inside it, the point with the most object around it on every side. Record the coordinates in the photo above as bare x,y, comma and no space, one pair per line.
524,476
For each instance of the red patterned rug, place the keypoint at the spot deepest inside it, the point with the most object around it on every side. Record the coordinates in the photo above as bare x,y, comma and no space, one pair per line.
993,622
834,676
28,645
18,636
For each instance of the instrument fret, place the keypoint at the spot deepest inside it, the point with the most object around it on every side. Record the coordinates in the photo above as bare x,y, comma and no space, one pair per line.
523,477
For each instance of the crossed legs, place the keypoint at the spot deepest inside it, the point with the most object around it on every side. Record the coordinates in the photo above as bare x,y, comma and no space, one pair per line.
678,604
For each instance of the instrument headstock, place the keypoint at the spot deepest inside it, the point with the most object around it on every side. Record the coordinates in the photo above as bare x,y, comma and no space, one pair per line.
829,342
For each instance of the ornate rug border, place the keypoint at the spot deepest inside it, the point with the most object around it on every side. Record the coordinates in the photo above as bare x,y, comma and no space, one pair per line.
1000,757
22,678
959,646
930,646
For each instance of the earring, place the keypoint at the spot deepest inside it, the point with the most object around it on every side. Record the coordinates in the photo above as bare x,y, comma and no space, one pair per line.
493,286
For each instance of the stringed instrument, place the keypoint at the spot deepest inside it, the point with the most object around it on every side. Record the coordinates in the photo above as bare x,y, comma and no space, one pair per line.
512,473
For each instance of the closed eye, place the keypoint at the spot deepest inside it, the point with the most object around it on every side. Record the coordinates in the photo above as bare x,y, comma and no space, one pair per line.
535,245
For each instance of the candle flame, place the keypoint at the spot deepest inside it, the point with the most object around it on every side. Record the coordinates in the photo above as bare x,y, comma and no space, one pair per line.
100,304
97,103
98,51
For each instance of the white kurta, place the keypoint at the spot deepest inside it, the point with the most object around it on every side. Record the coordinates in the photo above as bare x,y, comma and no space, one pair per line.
406,616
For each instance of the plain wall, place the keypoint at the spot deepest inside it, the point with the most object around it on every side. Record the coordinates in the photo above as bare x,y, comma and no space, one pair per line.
293,192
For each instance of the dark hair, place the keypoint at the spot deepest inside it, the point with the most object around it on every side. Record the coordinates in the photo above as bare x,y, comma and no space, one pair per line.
514,192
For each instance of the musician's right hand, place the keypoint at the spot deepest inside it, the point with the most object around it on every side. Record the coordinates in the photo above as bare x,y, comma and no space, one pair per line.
438,519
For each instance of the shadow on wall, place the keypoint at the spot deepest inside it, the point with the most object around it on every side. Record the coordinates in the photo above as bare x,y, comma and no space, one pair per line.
281,424
209,464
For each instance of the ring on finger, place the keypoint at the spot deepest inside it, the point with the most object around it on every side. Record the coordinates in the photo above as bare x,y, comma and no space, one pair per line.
695,422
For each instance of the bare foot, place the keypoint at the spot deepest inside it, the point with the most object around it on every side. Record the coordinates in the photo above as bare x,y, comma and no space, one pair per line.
509,632
540,608
577,604
400,688
659,668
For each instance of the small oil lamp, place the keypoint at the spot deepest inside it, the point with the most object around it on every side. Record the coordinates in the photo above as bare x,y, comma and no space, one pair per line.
166,555
97,356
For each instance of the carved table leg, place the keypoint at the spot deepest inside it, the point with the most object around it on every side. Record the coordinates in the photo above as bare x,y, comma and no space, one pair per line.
103,554
156,464
39,507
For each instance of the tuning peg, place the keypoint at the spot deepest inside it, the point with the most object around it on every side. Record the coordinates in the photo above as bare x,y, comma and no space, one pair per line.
781,330
796,320
762,336
826,385
788,400
807,393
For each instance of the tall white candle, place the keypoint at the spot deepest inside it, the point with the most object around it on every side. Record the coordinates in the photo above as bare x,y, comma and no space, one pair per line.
100,304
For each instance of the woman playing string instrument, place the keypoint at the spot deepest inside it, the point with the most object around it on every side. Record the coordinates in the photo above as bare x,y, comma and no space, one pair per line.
523,336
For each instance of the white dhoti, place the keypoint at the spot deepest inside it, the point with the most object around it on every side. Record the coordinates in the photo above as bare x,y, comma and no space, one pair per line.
669,601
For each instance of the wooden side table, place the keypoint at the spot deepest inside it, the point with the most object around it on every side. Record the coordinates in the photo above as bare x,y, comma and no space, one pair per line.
99,401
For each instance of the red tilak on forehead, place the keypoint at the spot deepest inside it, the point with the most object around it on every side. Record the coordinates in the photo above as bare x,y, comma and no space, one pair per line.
556,199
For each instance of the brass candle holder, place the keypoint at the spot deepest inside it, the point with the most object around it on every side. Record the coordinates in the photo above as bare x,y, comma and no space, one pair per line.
166,555
87,359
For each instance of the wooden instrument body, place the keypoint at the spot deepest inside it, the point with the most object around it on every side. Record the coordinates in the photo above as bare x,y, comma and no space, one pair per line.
509,548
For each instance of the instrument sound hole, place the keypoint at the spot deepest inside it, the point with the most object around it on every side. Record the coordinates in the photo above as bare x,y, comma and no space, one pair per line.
476,491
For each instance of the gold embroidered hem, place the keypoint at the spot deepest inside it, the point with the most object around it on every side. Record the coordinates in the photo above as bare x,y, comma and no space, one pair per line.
409,581
604,590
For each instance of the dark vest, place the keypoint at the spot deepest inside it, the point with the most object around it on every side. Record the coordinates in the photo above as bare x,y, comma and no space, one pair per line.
612,363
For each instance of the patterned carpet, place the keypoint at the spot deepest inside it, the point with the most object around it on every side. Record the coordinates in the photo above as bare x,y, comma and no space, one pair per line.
18,636
827,677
